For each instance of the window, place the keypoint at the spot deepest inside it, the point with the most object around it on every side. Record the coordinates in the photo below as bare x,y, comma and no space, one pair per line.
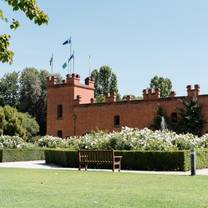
174,117
60,133
117,121
59,111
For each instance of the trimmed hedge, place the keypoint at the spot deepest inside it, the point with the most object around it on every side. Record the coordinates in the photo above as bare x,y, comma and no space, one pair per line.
12,155
155,160
63,158
132,160
202,158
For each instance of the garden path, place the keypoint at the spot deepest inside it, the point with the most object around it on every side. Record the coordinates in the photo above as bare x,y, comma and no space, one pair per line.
41,165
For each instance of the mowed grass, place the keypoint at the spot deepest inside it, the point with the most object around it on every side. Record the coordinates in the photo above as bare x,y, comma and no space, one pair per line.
65,189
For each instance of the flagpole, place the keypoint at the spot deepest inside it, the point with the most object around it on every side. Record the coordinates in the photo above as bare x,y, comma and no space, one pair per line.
73,63
89,66
70,54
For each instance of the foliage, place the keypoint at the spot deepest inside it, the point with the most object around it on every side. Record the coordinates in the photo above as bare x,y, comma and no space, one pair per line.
16,123
31,11
131,160
9,89
33,95
29,124
52,142
23,154
191,120
164,84
11,142
2,120
131,139
133,97
105,81
26,91
30,91
64,158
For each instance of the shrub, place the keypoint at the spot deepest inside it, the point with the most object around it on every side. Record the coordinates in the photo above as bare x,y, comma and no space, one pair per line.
16,123
11,142
63,158
129,139
132,160
11,155
52,142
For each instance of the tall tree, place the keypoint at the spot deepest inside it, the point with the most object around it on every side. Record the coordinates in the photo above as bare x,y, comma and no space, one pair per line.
30,91
31,11
9,89
164,84
191,119
105,82
41,114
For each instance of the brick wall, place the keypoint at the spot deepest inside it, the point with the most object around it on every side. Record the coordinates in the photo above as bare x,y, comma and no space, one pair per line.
81,115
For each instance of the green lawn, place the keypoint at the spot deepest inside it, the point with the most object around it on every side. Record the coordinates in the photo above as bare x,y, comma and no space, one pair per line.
66,189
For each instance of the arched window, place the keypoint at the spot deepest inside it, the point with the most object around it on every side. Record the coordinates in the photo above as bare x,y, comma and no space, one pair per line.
116,121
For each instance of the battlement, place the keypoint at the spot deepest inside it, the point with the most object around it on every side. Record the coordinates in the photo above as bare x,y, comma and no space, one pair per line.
151,94
193,92
71,80
110,98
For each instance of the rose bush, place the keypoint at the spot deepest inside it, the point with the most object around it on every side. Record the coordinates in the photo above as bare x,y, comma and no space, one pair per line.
129,139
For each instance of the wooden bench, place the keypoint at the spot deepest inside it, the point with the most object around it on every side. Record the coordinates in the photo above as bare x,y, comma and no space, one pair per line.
87,157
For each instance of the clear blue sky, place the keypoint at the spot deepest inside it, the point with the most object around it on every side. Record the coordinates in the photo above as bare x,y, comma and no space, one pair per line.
137,38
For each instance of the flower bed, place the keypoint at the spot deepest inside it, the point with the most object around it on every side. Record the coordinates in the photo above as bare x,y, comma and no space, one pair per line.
129,139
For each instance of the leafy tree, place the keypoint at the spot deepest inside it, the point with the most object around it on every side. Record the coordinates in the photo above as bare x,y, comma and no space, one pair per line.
42,103
13,123
9,89
29,124
31,11
16,123
105,82
191,120
30,91
2,120
32,95
164,84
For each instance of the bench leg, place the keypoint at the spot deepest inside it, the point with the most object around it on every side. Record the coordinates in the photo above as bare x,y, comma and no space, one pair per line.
86,166
113,167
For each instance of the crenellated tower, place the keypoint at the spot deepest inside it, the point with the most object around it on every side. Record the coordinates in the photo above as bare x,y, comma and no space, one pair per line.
61,99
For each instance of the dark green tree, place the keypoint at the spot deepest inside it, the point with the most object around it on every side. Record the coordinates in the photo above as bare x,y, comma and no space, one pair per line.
30,91
164,84
16,123
31,11
191,119
42,103
105,82
32,95
9,89
2,120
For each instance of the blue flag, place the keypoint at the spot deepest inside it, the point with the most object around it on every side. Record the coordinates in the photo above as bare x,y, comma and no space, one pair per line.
71,57
51,60
67,41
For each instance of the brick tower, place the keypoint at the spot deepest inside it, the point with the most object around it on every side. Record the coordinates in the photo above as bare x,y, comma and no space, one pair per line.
61,99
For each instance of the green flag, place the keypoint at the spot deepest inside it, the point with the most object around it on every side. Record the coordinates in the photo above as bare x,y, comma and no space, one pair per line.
64,65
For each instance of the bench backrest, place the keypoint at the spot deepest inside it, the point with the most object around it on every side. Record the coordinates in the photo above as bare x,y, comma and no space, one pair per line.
96,155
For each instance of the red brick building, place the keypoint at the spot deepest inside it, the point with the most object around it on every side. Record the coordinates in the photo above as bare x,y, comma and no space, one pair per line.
71,109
